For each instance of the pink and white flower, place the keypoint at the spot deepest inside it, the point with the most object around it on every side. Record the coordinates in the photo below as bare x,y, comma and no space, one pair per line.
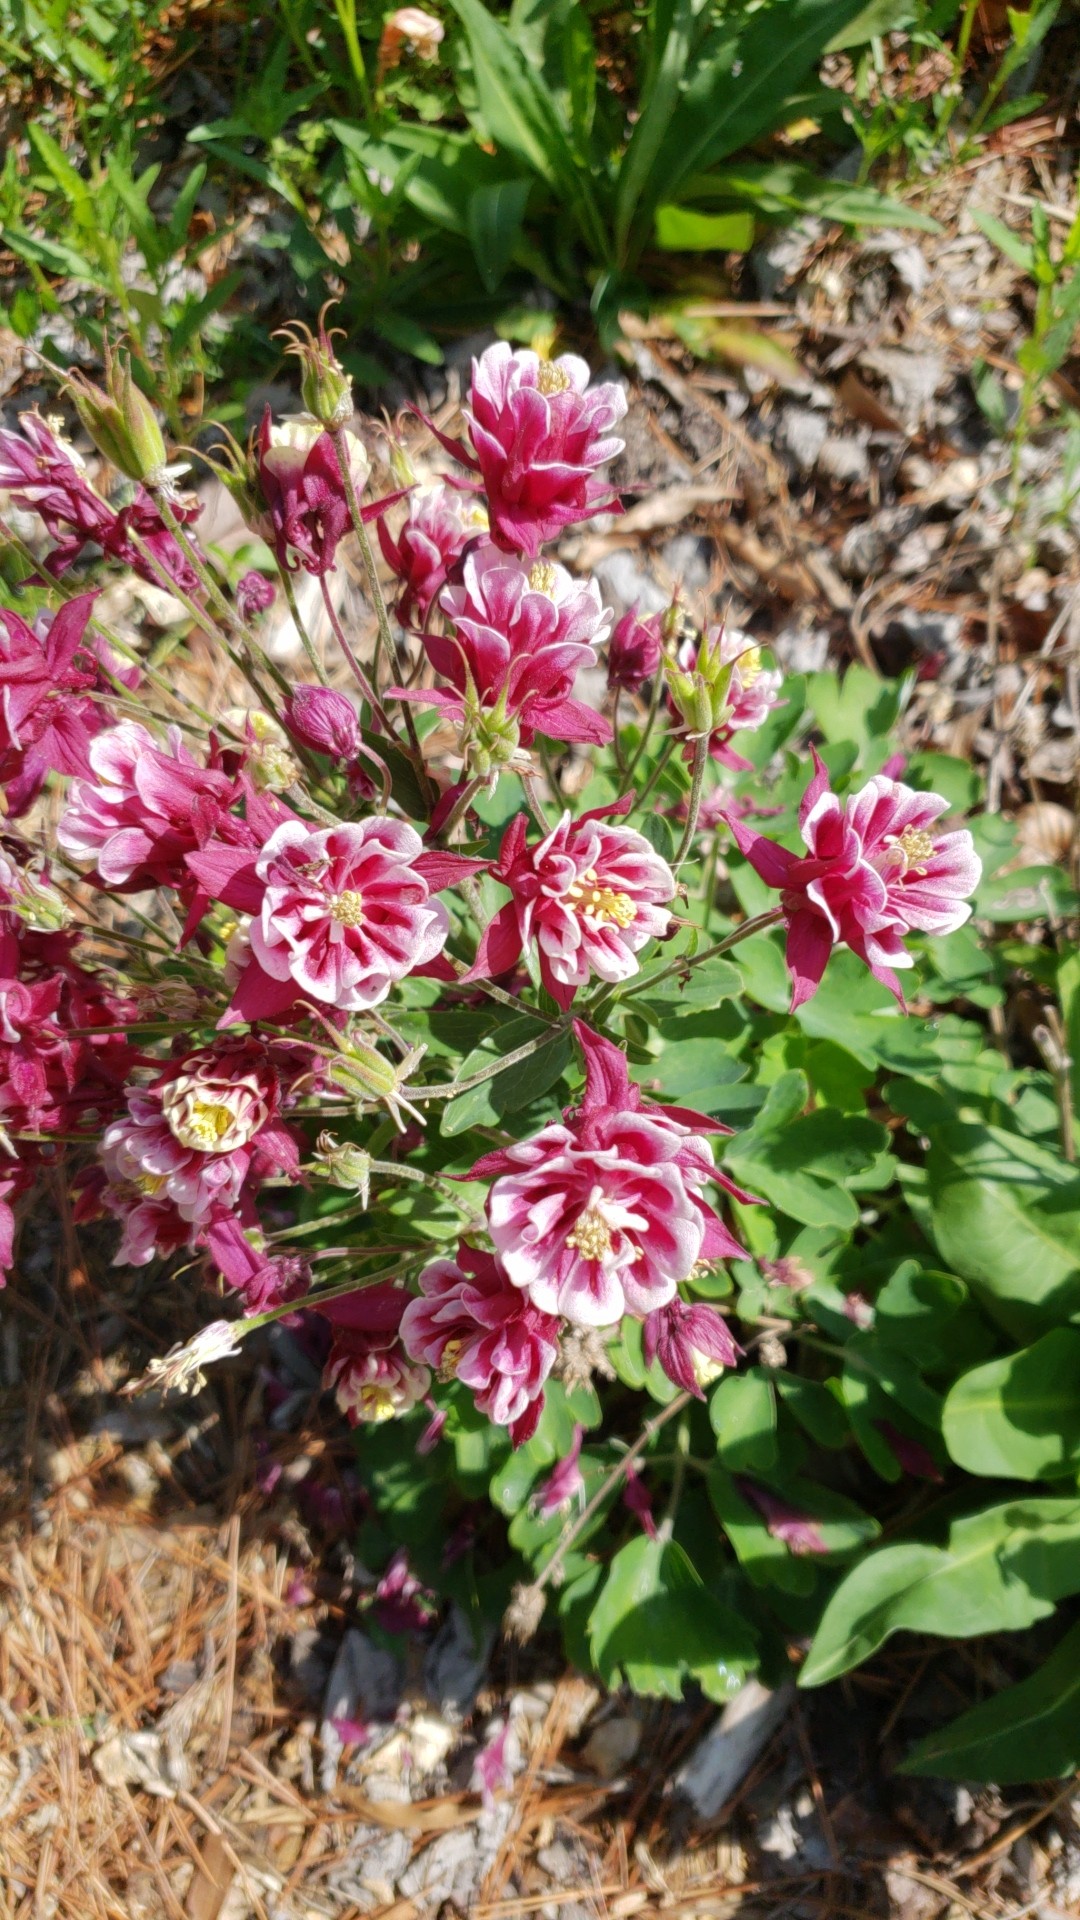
875,870
473,1325
47,718
693,1344
344,914
200,1131
538,435
521,634
602,1214
588,897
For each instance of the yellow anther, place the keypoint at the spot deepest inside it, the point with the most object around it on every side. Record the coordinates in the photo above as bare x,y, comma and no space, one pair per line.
550,377
591,1236
912,849
347,908
600,903
542,577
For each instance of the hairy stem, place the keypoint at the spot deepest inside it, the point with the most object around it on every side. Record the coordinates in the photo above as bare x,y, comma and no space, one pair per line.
701,761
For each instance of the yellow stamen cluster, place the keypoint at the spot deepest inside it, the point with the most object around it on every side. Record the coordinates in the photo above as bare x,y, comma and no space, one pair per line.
451,1358
748,667
912,849
347,908
550,377
600,903
203,1125
542,577
150,1183
375,1404
591,1236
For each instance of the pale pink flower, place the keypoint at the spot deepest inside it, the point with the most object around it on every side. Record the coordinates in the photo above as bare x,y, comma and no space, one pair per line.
345,914
496,1762
539,434
521,634
565,1485
473,1325
602,1214
412,26
874,871
588,897
373,1383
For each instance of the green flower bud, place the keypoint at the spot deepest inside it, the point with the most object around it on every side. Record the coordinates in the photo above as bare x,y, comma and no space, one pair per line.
325,387
121,421
492,739
345,1165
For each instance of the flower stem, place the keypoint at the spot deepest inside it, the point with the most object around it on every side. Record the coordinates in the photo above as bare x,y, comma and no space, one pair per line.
687,961
701,761
305,638
367,690
664,756
461,805
650,721
610,1480
452,1088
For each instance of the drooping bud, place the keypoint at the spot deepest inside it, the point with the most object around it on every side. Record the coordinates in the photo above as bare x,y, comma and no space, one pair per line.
345,1165
254,594
324,720
325,387
121,421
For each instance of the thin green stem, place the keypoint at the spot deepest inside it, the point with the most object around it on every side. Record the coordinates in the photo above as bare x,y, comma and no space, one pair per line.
367,690
697,788
452,1088
650,722
461,805
305,638
687,961
660,768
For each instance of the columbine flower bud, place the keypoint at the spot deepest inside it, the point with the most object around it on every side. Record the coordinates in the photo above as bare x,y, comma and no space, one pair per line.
344,1165
367,1078
324,720
325,387
121,422
699,688
494,743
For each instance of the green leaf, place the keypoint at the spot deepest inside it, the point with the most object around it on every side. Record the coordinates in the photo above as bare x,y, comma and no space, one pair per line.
781,187
1019,1416
804,1163
1006,1216
488,1102
1006,241
681,230
494,216
742,1411
1027,1732
655,1622
522,117
843,1528
1003,1569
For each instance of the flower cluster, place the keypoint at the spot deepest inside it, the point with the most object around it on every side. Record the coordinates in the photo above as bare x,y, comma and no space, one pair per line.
309,903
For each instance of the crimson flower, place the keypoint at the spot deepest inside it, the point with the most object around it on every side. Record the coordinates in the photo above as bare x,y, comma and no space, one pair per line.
538,434
473,1325
341,913
693,1343
874,871
45,475
47,718
142,807
521,634
588,896
635,650
602,1214
437,528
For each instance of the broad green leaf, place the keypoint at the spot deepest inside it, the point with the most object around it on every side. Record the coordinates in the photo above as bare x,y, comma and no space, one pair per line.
494,215
804,1163
782,187
656,1623
682,230
1006,241
1002,1570
1019,1416
842,1526
505,1092
1027,1732
695,1073
1006,1217
742,1411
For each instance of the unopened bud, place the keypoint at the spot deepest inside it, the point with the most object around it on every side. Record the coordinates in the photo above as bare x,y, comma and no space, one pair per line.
367,1078
494,742
121,421
324,720
344,1165
26,892
325,387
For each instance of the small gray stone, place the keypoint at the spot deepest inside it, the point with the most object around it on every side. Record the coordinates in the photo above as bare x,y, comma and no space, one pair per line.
802,432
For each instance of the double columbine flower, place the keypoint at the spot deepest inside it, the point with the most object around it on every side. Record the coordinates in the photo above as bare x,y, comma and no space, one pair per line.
339,913
472,1324
874,870
47,718
521,635
437,528
306,509
588,897
603,1214
141,807
538,434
